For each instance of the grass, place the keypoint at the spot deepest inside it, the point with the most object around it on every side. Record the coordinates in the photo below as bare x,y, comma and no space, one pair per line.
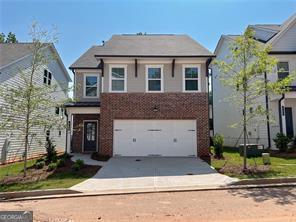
280,166
53,181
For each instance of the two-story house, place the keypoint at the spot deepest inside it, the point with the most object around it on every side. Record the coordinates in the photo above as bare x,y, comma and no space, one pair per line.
142,95
16,59
282,38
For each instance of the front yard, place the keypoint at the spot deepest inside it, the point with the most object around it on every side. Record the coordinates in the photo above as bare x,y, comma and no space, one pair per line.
11,176
282,165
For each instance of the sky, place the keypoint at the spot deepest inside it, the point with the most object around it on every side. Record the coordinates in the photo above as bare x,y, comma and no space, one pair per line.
81,24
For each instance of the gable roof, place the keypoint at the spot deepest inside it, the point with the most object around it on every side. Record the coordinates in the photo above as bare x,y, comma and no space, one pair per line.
162,45
265,33
13,52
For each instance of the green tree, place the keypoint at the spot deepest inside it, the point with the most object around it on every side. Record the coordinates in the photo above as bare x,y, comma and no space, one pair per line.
2,37
11,38
243,72
30,105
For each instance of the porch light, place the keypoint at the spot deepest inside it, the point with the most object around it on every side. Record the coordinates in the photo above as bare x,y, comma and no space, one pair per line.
155,109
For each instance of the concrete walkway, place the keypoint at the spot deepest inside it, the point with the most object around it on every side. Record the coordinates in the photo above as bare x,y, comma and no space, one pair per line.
153,174
86,159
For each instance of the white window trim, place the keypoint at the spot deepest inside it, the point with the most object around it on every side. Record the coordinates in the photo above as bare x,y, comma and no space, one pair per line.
198,79
161,78
84,85
277,70
110,77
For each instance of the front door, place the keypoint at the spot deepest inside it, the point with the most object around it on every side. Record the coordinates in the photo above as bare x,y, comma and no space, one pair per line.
90,136
289,122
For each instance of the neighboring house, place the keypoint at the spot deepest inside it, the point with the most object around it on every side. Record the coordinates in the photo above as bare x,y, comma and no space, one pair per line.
142,95
282,39
13,58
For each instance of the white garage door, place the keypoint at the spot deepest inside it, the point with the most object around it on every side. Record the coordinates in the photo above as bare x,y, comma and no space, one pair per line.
155,137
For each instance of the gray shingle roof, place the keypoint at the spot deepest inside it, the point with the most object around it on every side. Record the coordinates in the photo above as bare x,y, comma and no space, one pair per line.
273,27
141,46
10,52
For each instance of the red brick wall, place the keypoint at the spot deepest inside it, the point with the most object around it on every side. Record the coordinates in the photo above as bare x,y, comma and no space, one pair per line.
78,129
141,105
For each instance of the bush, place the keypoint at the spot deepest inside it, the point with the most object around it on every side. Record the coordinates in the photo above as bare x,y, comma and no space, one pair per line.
218,141
66,156
41,159
51,153
61,162
52,166
78,165
39,164
281,142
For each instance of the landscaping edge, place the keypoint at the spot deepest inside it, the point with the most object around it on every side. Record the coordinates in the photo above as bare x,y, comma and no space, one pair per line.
67,192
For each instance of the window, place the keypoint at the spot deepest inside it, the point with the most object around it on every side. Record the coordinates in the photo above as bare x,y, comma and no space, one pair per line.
118,78
57,110
47,77
91,88
47,135
60,133
283,70
191,78
154,76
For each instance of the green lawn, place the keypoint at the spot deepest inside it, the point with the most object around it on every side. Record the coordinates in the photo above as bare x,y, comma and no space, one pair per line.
53,181
280,167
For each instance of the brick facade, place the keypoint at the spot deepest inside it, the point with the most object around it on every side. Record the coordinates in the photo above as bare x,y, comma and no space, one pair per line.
141,105
78,130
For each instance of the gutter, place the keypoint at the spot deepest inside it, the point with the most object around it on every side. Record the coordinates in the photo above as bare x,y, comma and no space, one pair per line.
66,114
280,113
158,56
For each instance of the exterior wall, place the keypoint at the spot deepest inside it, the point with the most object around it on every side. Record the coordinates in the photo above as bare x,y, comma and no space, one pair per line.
79,84
140,106
171,84
226,113
222,121
77,137
288,40
10,77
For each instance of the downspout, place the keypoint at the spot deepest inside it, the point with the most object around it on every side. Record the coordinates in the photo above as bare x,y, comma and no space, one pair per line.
280,113
66,114
209,97
267,111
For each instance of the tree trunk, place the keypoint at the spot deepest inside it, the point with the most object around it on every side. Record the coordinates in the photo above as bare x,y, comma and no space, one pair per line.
25,155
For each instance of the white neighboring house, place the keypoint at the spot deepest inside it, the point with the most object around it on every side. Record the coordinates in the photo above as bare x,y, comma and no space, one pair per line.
282,38
18,56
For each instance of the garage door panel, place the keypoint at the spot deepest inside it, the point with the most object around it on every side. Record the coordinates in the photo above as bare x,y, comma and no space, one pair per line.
155,137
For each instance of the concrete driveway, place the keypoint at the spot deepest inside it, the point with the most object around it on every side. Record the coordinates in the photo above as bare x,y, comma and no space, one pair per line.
121,174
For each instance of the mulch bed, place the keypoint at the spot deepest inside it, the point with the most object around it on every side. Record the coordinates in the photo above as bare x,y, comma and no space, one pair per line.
99,157
275,153
34,175
237,170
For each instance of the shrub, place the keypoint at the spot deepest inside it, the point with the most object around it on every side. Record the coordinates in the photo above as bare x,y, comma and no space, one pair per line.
61,162
218,141
52,166
66,156
51,153
78,165
41,159
281,142
39,164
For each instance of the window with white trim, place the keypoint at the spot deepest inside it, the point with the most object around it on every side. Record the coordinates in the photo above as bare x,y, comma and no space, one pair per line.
91,85
283,70
191,80
117,78
154,78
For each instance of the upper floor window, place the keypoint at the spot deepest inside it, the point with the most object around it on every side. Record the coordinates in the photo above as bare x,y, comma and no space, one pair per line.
282,70
191,78
118,78
154,78
91,85
47,77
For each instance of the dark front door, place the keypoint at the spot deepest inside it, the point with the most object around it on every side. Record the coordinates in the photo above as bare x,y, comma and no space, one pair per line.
289,122
90,136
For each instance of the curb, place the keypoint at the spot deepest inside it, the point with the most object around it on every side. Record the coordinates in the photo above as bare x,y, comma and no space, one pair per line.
68,193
